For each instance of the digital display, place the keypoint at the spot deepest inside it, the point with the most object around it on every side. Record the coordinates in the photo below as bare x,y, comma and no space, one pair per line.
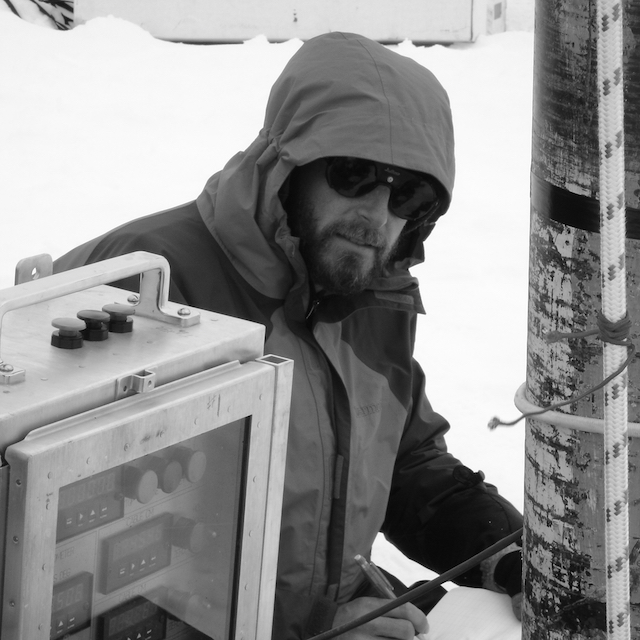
90,503
133,554
71,596
137,618
89,489
138,541
71,605
132,617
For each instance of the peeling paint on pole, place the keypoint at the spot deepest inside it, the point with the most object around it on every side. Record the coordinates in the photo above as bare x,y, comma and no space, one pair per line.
565,592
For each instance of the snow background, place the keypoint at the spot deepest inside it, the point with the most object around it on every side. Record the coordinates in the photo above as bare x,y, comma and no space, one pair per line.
103,124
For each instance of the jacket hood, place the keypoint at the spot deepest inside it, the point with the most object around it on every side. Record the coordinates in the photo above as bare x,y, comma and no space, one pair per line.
340,95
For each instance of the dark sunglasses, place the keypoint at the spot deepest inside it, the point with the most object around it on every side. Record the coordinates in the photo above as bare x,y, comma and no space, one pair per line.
413,195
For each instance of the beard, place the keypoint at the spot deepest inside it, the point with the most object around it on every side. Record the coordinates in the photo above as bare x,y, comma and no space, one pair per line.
332,264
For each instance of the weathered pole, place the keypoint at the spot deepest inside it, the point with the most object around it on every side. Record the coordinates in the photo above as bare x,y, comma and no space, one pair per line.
564,542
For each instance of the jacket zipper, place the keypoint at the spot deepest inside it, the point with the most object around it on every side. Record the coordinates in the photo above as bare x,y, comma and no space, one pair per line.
336,524
312,308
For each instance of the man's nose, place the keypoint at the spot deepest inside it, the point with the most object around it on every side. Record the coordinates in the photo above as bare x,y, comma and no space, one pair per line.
374,207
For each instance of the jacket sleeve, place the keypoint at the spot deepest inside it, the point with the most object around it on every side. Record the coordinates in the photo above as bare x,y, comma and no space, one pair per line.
111,245
441,513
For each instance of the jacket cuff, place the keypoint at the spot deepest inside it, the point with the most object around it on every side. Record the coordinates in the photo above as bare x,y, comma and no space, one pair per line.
496,573
506,572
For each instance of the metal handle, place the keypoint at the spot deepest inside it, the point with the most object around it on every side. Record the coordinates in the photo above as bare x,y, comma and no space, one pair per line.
154,287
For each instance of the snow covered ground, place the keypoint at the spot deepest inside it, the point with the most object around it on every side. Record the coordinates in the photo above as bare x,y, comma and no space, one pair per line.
103,124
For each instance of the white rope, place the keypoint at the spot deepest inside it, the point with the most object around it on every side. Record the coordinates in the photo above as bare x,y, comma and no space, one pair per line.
614,308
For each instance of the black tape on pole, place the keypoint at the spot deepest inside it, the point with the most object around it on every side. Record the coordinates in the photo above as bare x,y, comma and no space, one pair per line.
574,210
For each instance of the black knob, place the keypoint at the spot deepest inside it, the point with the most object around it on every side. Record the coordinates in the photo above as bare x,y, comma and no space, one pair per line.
119,314
96,322
68,334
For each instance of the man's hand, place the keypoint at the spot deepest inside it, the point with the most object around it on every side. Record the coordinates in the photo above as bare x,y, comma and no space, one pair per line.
403,623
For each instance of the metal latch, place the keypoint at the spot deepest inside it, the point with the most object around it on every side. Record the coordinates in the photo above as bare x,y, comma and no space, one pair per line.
135,383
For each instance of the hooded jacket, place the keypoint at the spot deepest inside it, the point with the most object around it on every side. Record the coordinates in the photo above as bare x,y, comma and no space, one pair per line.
366,452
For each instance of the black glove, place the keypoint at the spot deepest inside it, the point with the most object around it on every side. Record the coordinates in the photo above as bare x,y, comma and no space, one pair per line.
508,576
508,572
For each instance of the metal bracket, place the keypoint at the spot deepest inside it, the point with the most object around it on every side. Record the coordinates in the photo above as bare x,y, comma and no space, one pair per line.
33,268
135,383
10,374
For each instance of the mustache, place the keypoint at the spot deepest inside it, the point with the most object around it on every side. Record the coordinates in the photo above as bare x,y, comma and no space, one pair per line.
357,233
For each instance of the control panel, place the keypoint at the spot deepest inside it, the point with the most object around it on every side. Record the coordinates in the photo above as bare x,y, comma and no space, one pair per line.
142,454
147,550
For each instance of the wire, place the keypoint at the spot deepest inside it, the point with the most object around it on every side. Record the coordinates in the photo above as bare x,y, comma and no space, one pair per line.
423,589
610,333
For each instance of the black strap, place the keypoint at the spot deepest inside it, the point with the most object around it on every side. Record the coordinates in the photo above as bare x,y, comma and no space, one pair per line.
581,212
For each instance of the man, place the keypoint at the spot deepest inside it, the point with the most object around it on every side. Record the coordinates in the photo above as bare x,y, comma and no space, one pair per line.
311,232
